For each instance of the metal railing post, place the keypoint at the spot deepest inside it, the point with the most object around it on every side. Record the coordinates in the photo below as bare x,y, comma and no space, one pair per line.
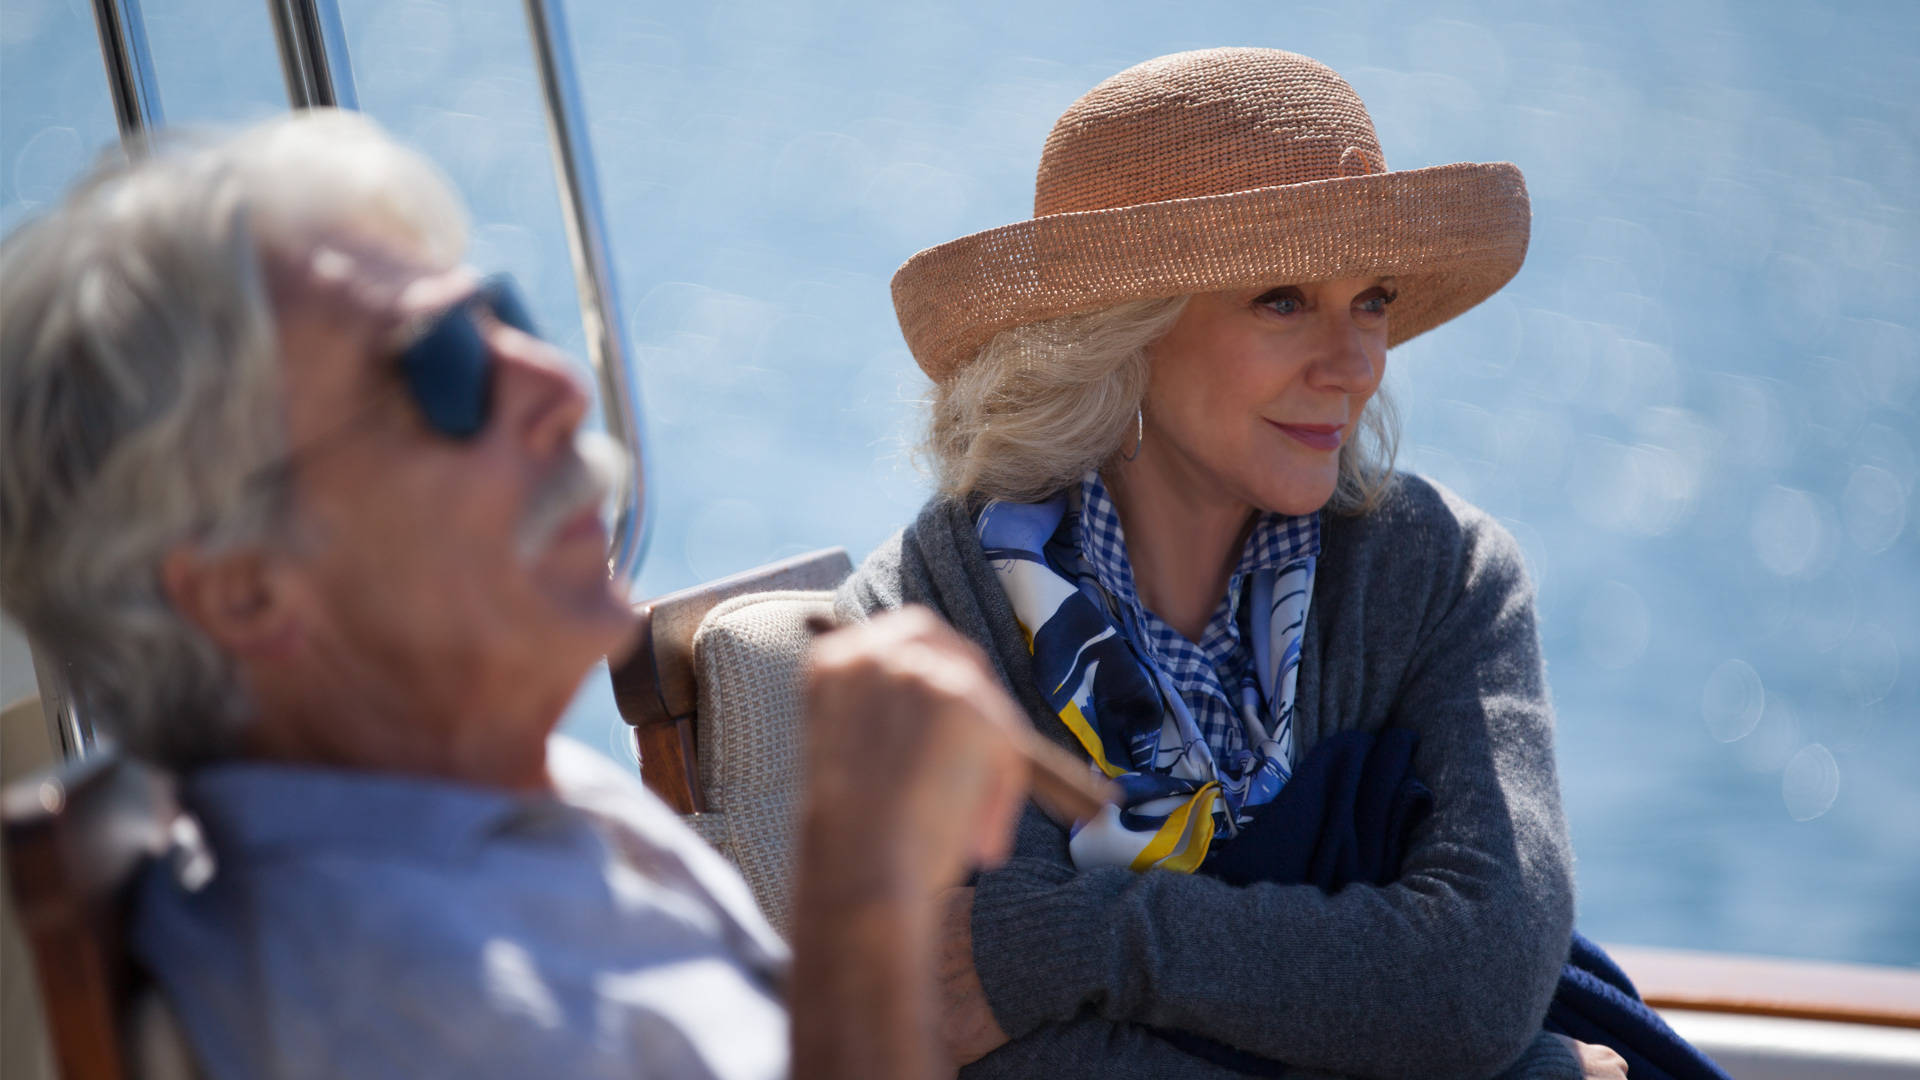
68,731
123,48
137,113
313,54
592,271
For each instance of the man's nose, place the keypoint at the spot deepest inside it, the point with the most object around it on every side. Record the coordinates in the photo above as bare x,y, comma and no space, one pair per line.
540,400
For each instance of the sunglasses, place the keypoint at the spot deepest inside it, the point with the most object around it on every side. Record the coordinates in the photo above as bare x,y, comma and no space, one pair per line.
446,367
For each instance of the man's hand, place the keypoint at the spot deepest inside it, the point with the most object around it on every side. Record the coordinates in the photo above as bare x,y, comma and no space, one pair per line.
914,776
914,772
1596,1062
967,1024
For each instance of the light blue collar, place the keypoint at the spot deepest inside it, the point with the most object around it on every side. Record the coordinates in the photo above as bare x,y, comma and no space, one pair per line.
254,809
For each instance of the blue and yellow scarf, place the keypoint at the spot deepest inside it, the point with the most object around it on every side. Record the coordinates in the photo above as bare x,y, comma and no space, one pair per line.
1127,715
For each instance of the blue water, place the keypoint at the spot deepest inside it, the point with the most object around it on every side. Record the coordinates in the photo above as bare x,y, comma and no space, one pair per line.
1695,406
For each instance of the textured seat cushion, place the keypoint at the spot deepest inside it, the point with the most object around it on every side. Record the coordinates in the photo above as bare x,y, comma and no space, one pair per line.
750,658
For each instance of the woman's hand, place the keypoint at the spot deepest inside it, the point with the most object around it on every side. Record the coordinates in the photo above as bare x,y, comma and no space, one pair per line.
967,1024
1596,1062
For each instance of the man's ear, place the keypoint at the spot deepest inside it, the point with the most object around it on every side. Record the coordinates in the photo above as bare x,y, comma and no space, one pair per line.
237,598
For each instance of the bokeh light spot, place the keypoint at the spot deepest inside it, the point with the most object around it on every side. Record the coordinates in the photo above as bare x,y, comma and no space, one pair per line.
1870,665
1874,506
1810,783
1789,531
1773,740
1732,701
54,156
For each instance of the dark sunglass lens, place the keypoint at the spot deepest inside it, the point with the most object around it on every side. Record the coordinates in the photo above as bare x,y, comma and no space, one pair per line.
508,306
449,372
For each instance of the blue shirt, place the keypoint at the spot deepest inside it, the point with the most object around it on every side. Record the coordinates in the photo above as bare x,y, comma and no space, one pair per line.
364,925
1210,673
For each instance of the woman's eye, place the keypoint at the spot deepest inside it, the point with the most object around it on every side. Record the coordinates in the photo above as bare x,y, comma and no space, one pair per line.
1282,301
1375,303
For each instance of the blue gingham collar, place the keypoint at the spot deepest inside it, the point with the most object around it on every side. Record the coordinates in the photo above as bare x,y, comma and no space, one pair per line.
1276,541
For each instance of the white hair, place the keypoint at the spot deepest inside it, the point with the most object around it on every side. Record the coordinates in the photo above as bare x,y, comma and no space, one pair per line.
140,385
1041,404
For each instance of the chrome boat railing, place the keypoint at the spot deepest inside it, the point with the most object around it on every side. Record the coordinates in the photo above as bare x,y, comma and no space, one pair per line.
136,112
313,54
130,81
606,333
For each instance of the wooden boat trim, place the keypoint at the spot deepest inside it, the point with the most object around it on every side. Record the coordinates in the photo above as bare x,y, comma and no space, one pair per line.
1768,986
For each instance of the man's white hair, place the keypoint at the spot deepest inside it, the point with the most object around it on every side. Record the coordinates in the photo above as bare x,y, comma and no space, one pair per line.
140,390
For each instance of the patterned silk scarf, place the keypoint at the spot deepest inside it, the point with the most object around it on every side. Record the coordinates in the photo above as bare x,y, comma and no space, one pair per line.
1127,714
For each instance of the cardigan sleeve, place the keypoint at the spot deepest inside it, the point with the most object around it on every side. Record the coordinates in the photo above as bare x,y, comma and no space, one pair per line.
1444,973
1090,1048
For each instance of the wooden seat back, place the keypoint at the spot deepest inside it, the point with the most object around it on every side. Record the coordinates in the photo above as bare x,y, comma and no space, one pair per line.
76,835
656,687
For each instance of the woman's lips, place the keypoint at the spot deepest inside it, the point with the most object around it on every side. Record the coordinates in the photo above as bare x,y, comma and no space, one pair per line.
1314,436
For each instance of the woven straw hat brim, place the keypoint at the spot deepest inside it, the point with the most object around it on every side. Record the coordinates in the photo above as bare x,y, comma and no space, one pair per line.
1451,235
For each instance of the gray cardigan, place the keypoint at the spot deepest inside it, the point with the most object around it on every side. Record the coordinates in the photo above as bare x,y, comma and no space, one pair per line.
1422,617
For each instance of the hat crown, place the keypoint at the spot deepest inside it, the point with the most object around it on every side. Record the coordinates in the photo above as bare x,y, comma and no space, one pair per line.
1202,123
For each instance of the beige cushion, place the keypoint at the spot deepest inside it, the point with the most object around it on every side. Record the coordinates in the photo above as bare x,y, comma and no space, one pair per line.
749,657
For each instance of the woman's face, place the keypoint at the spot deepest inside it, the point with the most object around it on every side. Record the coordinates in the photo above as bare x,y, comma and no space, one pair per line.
1253,392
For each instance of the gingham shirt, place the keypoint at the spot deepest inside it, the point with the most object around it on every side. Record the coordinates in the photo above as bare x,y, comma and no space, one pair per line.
1204,672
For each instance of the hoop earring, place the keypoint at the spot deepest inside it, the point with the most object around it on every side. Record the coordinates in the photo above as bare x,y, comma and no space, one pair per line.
1139,434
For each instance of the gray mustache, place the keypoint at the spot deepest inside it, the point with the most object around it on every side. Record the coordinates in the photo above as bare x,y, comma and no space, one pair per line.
589,476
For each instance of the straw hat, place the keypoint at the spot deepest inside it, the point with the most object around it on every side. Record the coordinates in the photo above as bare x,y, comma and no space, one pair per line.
1213,170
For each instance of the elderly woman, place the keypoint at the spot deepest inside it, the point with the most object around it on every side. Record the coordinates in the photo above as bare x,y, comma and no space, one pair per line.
1168,512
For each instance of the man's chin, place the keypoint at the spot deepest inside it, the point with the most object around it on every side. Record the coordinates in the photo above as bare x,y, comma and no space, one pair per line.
623,635
607,620
581,616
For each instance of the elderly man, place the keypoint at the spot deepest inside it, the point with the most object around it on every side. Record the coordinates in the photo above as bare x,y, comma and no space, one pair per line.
306,509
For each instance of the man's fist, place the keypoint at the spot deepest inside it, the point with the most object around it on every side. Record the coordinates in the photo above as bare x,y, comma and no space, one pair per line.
914,772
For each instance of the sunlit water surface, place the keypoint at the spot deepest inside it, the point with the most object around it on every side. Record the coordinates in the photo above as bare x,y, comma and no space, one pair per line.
1695,406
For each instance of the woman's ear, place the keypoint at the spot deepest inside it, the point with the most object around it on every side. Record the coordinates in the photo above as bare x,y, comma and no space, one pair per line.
237,598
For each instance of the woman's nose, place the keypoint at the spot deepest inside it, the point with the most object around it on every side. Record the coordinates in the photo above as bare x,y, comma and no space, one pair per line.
1347,362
